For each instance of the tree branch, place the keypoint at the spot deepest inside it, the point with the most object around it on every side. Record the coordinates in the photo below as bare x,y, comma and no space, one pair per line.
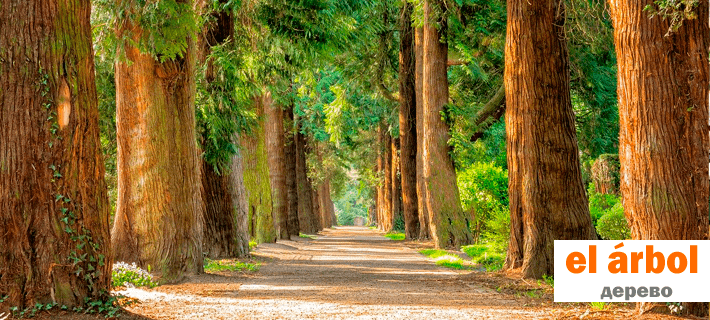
491,112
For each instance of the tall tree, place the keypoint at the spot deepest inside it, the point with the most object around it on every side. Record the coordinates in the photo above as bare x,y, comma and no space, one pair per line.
663,113
306,211
256,179
385,220
449,227
274,134
158,218
422,211
407,123
54,229
547,196
290,172
223,195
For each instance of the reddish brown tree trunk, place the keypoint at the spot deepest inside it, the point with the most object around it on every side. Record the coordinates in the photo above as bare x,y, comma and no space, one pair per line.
277,164
663,117
222,191
547,196
290,167
226,211
385,221
159,219
52,187
396,185
419,106
449,227
407,123
306,211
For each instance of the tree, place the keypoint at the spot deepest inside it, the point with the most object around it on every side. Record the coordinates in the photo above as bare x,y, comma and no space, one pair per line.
54,219
407,123
256,178
159,219
225,208
418,86
663,113
275,147
290,172
449,227
307,218
547,196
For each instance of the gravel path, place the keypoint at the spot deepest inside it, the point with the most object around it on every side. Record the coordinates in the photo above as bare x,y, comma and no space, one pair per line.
346,273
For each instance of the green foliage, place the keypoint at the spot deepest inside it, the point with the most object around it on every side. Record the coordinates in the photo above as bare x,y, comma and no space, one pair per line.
124,274
252,245
600,204
599,305
397,236
352,203
549,280
229,265
483,188
613,225
676,11
445,259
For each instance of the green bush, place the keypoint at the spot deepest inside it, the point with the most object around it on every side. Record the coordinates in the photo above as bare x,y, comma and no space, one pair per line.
484,192
488,255
613,225
124,274
600,204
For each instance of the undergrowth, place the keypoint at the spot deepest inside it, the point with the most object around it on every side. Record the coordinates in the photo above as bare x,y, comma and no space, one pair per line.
124,274
229,265
398,236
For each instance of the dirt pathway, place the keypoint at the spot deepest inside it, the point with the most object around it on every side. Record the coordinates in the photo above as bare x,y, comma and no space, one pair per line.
346,273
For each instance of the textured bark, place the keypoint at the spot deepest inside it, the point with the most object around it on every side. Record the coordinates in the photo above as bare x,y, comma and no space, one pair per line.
226,211
547,196
396,184
663,119
449,227
419,106
256,180
386,218
277,164
51,169
407,123
221,195
605,174
290,173
306,212
317,208
159,221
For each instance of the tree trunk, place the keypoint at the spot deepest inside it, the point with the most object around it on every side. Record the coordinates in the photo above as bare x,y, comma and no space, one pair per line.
52,186
396,185
220,192
226,211
407,123
449,227
256,180
663,119
306,211
387,207
422,212
159,221
547,196
317,208
290,167
277,164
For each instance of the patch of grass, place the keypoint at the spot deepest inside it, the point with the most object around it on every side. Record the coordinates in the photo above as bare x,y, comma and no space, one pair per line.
303,235
124,274
599,305
372,227
229,265
252,245
445,259
486,255
398,236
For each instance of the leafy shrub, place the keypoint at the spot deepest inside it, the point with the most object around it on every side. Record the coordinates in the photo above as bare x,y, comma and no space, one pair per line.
398,225
613,225
124,274
600,204
484,192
